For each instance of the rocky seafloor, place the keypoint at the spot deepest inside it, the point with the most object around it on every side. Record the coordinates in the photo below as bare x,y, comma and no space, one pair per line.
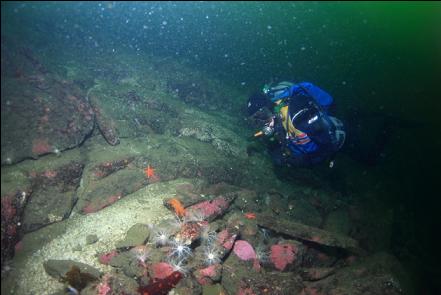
134,177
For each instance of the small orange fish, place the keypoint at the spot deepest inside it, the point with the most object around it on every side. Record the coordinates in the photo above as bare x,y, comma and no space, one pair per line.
250,215
149,171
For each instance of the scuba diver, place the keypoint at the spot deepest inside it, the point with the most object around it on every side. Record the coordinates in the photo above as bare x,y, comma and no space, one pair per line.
296,120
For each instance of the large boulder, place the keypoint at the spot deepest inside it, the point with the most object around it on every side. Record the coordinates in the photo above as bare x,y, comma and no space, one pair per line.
40,112
241,277
53,195
380,273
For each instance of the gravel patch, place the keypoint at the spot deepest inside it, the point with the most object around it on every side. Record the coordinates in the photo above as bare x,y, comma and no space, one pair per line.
110,225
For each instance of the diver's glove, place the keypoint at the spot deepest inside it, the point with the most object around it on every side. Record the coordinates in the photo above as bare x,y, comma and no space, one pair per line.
268,129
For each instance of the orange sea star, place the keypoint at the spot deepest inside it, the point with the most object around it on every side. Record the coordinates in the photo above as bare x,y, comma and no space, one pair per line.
149,171
250,215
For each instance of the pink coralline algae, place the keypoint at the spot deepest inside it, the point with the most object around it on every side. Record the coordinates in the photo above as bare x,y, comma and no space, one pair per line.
162,270
190,231
96,206
112,199
161,286
282,255
245,291
103,288
226,239
209,271
18,247
209,274
50,174
244,250
211,208
90,208
107,257
41,146
8,209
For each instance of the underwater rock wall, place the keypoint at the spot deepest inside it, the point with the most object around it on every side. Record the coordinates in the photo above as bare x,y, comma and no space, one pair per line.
244,231
41,112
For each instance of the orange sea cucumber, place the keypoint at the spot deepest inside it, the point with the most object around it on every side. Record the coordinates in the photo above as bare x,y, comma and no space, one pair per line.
177,207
